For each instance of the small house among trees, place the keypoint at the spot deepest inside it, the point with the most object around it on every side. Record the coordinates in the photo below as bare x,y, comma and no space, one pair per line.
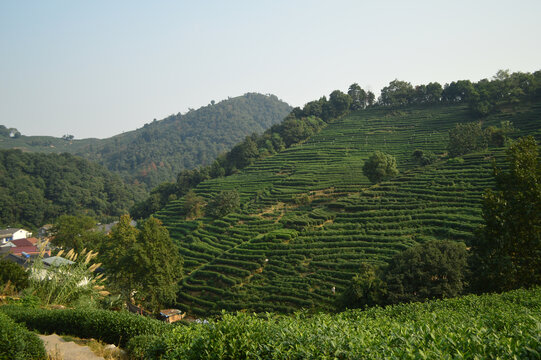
171,315
13,234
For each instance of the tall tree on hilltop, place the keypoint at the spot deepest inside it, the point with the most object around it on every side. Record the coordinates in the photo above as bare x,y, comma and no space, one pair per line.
397,93
370,98
339,102
358,97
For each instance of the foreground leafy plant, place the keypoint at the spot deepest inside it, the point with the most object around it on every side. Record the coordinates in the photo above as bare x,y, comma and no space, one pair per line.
67,283
109,326
18,343
474,327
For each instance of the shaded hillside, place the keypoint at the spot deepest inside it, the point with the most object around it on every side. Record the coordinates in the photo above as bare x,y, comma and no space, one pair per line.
159,150
37,188
310,217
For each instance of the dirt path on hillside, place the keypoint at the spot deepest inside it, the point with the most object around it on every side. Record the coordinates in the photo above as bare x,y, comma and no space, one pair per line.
59,348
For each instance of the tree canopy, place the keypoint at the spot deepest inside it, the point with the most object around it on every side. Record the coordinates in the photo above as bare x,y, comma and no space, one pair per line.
397,93
35,189
508,248
76,232
436,269
144,264
359,97
365,289
223,203
115,255
379,167
465,138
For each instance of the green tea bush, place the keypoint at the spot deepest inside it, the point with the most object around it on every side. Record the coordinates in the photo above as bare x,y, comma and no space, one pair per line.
109,326
18,343
506,326
455,161
142,346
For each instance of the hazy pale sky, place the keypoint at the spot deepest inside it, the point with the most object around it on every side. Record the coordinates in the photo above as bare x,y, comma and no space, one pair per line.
98,68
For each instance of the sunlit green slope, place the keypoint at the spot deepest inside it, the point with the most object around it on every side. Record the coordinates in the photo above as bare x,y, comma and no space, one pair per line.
310,217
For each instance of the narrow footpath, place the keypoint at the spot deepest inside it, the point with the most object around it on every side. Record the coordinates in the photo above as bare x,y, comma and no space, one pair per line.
58,348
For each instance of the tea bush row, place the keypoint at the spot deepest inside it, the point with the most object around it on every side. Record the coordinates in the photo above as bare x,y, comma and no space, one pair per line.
16,342
109,326
506,326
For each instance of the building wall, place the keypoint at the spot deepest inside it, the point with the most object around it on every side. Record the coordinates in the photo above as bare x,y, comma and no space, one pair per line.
21,234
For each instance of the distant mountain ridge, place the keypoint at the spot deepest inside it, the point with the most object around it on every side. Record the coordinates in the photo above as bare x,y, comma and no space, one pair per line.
159,150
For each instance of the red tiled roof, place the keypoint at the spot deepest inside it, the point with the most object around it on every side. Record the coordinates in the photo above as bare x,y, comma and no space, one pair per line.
22,242
33,240
27,249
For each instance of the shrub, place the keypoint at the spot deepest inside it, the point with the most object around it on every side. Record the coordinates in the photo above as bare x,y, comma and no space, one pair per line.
436,269
465,138
379,167
18,343
142,347
108,326
424,158
14,274
474,327
223,203
455,161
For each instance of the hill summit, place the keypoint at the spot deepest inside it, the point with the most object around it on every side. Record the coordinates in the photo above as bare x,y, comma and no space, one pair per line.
159,150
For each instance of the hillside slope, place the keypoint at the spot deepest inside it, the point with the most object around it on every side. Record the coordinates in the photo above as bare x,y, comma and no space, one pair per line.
37,188
159,150
310,216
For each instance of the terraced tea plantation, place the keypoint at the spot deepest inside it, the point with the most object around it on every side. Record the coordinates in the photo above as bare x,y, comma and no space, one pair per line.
310,217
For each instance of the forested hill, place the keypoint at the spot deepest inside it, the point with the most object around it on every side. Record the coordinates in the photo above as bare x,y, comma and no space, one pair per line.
159,150
37,188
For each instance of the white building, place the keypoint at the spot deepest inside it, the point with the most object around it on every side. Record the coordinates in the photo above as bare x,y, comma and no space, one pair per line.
13,234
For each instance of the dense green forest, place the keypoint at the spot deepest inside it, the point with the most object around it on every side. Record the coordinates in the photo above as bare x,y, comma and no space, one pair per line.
308,218
159,150
37,188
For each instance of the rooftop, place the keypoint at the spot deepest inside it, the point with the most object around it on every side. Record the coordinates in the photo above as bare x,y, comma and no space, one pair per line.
8,231
57,261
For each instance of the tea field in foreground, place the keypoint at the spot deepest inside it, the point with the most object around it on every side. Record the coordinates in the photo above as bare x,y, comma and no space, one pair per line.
506,326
